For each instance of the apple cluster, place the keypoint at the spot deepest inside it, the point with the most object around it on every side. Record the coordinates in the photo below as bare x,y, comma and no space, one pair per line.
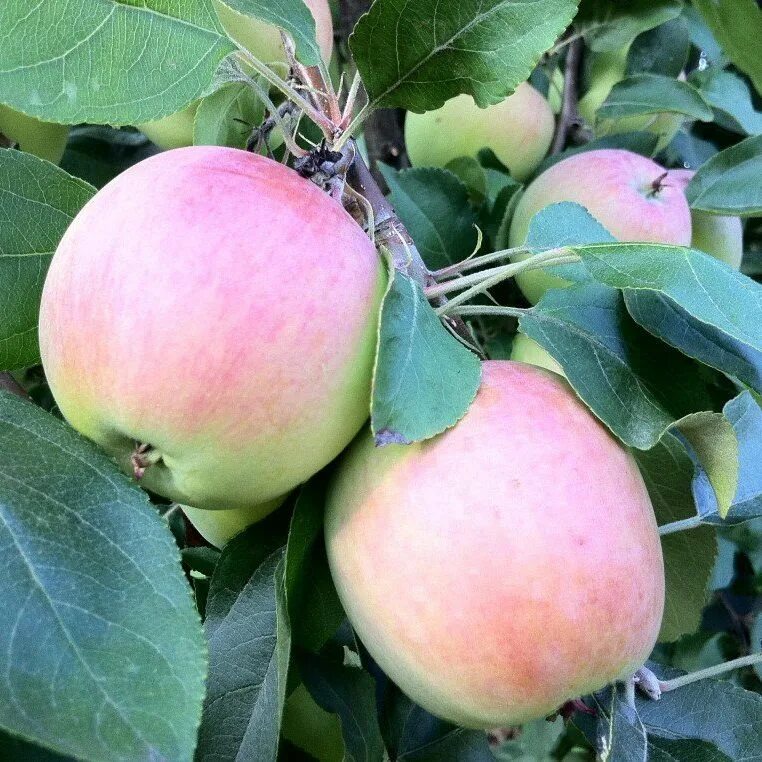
210,319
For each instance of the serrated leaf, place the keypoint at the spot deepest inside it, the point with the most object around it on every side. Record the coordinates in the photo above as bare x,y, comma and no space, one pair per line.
249,642
433,205
248,664
111,61
663,318
419,54
707,289
729,182
101,649
688,556
38,201
714,711
612,27
227,116
732,99
424,379
654,94
313,603
737,25
634,383
349,692
293,16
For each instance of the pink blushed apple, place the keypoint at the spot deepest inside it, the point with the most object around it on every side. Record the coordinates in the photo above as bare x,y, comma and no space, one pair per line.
505,566
221,311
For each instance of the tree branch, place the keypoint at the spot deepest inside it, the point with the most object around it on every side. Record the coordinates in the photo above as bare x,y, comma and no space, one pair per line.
9,384
569,123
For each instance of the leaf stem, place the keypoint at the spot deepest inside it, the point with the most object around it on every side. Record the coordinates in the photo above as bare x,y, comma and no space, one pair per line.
489,309
680,526
473,262
703,674
361,116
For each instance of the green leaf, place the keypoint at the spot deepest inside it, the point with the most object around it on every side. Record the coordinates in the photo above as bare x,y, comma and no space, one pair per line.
661,50
227,116
484,49
688,556
737,25
293,16
611,26
248,664
683,750
707,289
638,386
97,153
349,692
102,653
249,643
729,182
714,711
110,61
38,201
433,205
459,745
424,379
731,97
663,318
654,94
313,603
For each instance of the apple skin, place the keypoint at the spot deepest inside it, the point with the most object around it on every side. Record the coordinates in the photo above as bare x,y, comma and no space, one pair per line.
215,305
527,350
720,236
617,188
44,139
607,70
259,38
220,526
519,130
504,566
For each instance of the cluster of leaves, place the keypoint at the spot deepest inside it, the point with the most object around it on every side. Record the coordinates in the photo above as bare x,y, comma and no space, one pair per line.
107,655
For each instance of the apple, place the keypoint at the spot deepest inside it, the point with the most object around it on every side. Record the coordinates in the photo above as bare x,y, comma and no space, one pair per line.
608,69
220,526
505,566
527,350
720,236
210,319
259,38
44,139
627,193
519,130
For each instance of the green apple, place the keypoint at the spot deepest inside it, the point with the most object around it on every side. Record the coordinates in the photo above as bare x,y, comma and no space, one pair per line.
44,139
519,130
502,567
606,70
529,351
259,38
720,236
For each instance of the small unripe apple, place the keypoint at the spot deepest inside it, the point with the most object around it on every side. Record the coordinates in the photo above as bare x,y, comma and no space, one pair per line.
720,236
519,130
608,69
44,139
504,566
527,350
221,526
263,41
219,310
627,193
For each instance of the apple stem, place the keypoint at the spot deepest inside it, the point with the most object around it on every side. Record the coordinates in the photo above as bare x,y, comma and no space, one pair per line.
716,671
480,282
473,262
680,526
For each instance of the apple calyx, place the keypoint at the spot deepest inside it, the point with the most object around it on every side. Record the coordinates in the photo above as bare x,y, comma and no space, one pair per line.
143,456
657,185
